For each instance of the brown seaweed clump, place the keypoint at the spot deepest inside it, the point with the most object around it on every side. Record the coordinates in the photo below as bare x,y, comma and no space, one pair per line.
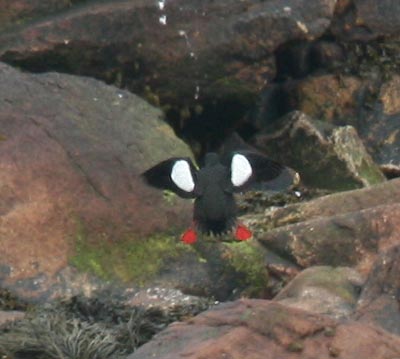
86,328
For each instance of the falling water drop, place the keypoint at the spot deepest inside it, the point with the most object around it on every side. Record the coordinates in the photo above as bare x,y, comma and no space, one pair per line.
163,19
161,4
197,93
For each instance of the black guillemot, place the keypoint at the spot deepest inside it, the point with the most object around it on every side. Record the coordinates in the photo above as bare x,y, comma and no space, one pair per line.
213,187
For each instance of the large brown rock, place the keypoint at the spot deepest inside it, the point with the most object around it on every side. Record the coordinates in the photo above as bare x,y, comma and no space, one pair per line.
344,229
71,151
188,54
20,11
262,329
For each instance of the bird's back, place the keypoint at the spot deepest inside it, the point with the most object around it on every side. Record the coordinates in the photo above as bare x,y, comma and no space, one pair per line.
214,209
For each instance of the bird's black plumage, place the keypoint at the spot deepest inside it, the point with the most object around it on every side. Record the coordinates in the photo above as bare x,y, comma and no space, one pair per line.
214,184
214,206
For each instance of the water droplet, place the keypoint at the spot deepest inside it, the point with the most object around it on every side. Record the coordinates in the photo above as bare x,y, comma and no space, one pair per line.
287,9
197,93
163,19
161,4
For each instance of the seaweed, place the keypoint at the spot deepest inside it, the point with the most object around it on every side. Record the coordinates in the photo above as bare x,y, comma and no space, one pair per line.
87,328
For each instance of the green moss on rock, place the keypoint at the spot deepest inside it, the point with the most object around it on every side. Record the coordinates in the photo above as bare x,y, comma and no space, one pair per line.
128,260
247,260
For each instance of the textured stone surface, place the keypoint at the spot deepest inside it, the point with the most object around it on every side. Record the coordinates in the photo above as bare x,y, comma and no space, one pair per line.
342,229
323,290
387,193
198,59
260,329
10,316
370,106
379,301
71,152
350,239
325,156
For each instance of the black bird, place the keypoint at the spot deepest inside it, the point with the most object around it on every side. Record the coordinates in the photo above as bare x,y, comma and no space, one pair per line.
213,187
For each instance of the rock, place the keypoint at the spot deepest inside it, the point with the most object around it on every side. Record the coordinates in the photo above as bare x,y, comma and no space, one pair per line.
379,300
386,193
382,129
70,186
327,97
10,316
345,229
189,57
262,329
371,106
326,157
19,11
366,20
71,151
323,290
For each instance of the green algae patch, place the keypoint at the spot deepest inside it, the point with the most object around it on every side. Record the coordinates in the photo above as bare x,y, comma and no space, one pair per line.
127,260
248,262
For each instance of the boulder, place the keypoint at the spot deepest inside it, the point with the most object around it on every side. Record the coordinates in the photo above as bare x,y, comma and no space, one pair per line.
372,107
261,329
71,151
325,156
323,290
197,59
343,229
386,193
366,19
379,300
20,11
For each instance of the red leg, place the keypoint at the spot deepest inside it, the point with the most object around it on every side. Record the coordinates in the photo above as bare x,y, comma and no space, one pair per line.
242,233
189,236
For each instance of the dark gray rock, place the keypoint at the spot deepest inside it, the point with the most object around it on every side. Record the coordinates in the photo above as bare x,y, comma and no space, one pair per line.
367,19
190,57
325,156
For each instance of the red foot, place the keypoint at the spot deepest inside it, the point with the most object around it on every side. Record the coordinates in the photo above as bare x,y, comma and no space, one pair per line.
242,233
189,237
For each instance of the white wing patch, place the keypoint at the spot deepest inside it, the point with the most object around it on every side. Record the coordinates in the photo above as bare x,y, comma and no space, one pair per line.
241,170
182,176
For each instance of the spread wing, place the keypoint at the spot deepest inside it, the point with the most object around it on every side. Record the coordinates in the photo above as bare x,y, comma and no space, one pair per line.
250,169
176,174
